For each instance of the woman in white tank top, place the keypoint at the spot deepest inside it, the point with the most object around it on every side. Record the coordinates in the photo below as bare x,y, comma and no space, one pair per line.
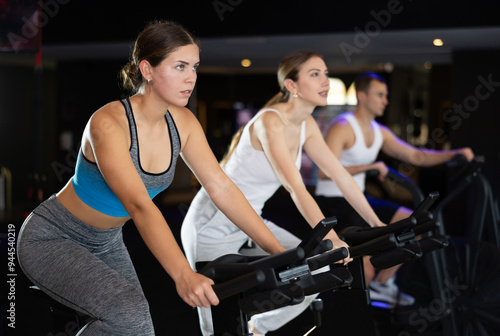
264,155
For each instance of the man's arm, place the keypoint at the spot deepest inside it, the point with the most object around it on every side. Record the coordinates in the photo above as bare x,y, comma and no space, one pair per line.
421,157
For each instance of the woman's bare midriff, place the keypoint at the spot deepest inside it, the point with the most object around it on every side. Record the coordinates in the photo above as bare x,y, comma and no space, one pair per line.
68,198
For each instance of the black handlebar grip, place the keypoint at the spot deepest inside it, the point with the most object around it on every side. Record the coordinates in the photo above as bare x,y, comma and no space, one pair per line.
315,237
427,226
239,284
458,160
381,243
355,235
433,243
287,257
402,225
324,246
396,256
327,258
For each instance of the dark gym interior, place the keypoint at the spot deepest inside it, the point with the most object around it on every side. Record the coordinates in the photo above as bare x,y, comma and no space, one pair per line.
55,75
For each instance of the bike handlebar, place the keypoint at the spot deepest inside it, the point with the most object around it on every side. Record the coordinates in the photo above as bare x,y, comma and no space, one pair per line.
234,273
239,284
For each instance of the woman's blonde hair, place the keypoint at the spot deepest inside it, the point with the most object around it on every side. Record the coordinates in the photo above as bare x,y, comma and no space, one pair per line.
289,68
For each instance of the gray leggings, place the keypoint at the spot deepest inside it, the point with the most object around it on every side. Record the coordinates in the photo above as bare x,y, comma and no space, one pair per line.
85,268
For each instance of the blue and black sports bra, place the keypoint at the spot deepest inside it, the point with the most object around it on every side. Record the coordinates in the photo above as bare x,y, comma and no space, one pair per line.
93,190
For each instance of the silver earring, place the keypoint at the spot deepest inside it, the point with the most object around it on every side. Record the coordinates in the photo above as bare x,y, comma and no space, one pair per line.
149,80
295,95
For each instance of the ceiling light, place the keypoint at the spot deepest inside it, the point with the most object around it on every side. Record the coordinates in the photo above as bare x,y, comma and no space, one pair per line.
246,62
437,42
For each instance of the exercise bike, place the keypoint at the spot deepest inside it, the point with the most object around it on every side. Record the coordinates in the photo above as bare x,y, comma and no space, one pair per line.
455,288
249,285
394,244
271,282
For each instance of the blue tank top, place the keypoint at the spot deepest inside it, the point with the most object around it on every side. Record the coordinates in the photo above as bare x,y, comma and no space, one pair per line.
93,190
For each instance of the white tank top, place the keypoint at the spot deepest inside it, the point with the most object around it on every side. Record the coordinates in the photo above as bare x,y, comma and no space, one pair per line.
251,171
358,154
